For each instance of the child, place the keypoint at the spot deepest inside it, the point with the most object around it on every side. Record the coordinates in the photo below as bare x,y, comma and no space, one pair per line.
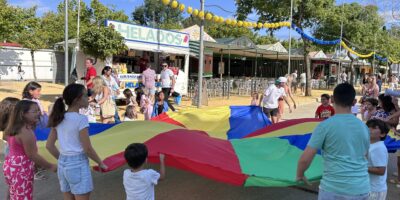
377,159
146,106
344,141
18,166
325,110
32,92
130,98
71,130
7,105
160,106
89,112
130,113
370,108
139,182
254,99
354,108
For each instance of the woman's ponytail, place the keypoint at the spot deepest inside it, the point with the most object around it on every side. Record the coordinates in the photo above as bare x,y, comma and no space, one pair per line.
57,115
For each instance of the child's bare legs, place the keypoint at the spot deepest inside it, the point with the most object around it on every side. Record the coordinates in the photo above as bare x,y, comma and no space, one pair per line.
82,197
70,196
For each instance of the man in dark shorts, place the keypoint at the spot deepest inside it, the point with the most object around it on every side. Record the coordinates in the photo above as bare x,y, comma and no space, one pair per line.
270,99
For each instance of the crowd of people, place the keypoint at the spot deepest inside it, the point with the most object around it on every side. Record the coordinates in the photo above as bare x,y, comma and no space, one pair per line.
355,157
147,98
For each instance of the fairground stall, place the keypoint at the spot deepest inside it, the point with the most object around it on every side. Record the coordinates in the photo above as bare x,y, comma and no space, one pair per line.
152,46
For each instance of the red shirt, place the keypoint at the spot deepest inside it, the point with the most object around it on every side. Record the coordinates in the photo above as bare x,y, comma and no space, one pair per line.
324,112
90,72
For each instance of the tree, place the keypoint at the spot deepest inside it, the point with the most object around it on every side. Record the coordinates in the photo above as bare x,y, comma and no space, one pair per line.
361,26
154,13
31,36
13,21
102,42
305,14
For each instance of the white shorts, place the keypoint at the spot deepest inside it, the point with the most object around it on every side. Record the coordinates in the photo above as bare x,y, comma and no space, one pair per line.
377,195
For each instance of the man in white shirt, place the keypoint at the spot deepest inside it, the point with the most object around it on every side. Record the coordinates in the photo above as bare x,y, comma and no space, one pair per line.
167,81
303,81
270,99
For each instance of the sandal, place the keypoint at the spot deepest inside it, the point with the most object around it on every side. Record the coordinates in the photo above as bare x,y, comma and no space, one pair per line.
39,176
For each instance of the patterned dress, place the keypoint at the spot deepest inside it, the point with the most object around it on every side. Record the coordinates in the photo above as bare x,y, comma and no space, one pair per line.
18,171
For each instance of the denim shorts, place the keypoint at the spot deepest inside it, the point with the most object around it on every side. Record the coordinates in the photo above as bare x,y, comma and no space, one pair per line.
74,174
325,195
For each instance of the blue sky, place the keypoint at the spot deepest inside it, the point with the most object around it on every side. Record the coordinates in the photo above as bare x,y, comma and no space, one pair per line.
229,5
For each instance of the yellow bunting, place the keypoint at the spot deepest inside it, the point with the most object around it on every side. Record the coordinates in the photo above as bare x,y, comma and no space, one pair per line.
228,21
355,53
240,23
266,25
201,15
394,61
234,22
254,24
259,25
195,12
166,2
215,18
209,16
174,4
221,20
189,10
182,7
281,24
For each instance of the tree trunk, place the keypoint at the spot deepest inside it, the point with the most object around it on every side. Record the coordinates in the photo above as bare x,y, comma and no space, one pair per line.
352,78
33,65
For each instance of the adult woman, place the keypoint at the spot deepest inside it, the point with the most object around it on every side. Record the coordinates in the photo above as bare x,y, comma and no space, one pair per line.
387,108
113,86
103,98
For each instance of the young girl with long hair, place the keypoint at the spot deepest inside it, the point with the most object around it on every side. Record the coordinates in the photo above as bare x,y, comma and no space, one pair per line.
18,166
71,130
102,95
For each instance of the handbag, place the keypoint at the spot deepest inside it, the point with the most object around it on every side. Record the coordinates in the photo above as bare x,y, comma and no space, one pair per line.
108,108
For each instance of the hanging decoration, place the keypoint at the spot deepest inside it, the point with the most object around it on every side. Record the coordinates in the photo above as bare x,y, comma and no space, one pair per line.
317,41
380,58
355,53
259,25
393,61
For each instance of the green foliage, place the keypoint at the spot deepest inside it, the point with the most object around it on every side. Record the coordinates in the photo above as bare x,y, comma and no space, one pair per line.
360,24
101,42
14,20
154,13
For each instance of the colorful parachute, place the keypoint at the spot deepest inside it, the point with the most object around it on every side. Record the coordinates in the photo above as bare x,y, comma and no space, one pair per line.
235,145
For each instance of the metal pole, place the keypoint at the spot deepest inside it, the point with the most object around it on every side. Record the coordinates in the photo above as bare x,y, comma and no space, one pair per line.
290,34
229,70
340,47
201,58
66,43
373,59
79,19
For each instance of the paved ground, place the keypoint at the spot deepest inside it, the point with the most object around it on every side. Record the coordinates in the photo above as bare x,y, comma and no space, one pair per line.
184,185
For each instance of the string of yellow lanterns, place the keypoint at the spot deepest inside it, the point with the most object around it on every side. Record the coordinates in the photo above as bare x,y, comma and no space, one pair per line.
218,19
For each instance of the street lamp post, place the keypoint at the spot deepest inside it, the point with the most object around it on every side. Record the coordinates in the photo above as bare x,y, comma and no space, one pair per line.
66,43
290,34
201,59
